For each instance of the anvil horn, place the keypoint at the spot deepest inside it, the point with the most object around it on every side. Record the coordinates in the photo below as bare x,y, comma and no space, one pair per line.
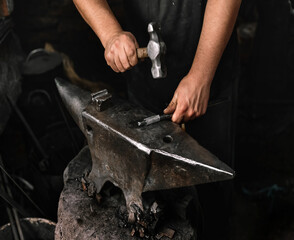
74,98
184,163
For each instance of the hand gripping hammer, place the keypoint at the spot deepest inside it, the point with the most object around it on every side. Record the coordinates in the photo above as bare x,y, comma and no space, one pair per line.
155,50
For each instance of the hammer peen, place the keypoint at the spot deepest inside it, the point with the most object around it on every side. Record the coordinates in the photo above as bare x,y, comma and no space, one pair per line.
155,50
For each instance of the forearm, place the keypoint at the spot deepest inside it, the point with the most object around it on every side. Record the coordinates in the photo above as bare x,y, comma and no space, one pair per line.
99,16
219,19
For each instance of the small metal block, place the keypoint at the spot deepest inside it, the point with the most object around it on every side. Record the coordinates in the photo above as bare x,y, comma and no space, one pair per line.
101,99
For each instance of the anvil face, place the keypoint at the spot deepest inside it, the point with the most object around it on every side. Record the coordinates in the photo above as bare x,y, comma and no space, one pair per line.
138,159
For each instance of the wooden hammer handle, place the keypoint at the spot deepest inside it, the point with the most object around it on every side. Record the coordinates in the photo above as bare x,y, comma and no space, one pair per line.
142,53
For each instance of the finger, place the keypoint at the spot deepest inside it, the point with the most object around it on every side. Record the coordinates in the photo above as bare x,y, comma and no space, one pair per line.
125,61
189,115
114,68
198,114
131,55
170,108
172,105
112,65
177,118
118,64
179,113
110,61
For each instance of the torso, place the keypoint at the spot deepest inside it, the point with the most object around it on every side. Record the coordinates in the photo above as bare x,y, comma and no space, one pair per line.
181,22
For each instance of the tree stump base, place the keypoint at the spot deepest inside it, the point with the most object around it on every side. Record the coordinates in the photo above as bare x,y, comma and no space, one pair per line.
82,217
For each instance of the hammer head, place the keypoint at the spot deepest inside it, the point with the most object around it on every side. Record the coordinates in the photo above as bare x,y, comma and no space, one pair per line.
156,49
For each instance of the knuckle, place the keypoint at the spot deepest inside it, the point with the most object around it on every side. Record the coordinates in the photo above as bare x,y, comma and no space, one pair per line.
120,68
190,113
125,64
132,60
131,51
114,68
107,55
183,107
116,44
124,37
198,114
107,61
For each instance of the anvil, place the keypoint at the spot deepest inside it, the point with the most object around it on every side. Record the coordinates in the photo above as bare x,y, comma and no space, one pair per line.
137,159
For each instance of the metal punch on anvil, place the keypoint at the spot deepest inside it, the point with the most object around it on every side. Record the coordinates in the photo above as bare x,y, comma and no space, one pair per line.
137,159
155,50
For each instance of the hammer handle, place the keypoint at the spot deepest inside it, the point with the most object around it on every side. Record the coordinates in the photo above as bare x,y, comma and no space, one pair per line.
142,53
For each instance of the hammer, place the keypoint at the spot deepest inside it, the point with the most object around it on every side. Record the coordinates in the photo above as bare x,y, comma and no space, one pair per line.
155,50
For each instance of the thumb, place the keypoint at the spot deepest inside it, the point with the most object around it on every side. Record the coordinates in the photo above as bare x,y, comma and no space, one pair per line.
172,105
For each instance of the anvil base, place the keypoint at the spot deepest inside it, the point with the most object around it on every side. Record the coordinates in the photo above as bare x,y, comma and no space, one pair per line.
81,217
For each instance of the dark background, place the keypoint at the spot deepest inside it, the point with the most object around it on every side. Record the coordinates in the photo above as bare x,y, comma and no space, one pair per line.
264,185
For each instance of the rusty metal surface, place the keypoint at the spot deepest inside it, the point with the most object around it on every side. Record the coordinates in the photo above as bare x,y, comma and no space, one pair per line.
139,159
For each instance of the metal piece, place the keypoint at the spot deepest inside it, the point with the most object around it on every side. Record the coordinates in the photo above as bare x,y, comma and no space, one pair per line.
40,61
153,119
101,99
13,210
27,184
18,226
8,210
12,203
154,157
12,223
156,49
5,29
7,199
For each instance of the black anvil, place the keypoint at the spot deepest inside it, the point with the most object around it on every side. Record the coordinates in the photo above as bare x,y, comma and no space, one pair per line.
137,159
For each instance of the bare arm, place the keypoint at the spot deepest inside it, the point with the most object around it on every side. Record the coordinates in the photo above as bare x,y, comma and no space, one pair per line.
191,97
120,47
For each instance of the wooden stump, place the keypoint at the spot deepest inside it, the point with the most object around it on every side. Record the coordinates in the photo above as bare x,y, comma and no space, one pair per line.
81,217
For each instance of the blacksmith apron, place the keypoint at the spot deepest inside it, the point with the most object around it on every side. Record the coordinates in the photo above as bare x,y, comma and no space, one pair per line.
181,22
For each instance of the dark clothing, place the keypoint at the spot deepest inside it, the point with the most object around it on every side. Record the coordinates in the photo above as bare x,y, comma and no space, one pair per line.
181,22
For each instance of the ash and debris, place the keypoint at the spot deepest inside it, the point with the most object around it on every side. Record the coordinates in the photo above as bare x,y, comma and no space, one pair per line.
146,223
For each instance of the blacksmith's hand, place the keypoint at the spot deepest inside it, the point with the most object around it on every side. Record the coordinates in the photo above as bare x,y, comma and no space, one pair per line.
190,99
120,51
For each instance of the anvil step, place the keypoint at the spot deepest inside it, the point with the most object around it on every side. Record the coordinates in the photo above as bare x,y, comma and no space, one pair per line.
158,156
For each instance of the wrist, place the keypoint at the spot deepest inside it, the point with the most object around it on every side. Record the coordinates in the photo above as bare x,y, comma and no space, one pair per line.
201,77
106,37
